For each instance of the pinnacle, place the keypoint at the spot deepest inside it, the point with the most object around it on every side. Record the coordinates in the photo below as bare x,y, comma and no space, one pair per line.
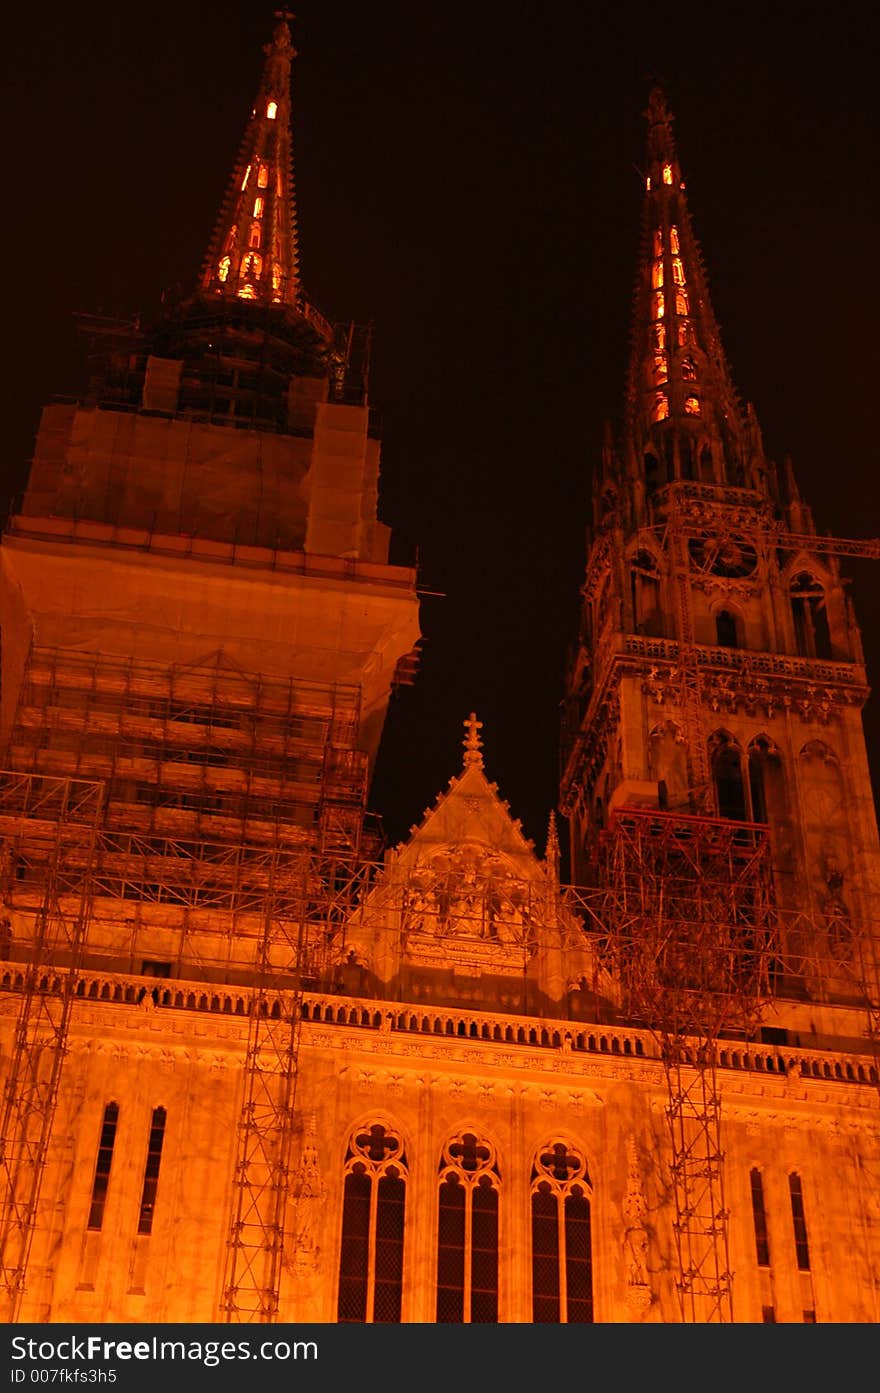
253,252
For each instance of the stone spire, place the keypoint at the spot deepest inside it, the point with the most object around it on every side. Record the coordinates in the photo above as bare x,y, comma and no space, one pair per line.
683,418
552,854
253,253
473,745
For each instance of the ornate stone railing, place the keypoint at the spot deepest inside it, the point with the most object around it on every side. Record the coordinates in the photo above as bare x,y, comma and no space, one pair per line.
529,1032
741,660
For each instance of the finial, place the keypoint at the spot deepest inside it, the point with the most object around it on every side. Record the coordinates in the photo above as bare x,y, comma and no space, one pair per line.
661,144
281,35
473,745
551,856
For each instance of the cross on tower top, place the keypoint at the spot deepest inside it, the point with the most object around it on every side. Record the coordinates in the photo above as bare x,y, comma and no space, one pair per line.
473,745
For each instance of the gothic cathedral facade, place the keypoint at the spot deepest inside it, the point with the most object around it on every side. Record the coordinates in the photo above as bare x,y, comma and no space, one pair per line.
259,1067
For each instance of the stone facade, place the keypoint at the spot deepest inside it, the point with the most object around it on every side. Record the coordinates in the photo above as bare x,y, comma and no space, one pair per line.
257,1068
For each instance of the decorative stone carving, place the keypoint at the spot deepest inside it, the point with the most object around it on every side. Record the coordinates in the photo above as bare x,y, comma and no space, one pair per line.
308,1196
635,1210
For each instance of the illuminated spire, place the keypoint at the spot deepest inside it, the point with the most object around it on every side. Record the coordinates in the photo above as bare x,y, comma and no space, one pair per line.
253,253
682,407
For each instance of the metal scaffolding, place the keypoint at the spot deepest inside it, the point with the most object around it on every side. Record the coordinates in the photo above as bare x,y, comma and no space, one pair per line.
688,909
49,826
231,827
308,899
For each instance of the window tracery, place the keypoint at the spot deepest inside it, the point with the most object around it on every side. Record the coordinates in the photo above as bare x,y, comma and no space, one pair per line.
467,1238
373,1223
562,1280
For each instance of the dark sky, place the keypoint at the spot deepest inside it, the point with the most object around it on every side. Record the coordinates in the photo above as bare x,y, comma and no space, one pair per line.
468,181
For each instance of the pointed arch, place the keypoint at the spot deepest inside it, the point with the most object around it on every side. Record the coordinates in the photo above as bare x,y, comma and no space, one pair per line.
726,763
667,763
808,599
646,571
469,1185
766,786
827,841
562,1261
373,1223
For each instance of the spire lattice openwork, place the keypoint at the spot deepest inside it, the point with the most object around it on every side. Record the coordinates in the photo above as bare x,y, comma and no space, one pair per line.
253,252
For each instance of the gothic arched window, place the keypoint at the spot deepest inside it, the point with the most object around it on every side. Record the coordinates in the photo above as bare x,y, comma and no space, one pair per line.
667,763
562,1267
799,1222
645,583
467,1235
373,1213
759,1215
766,792
101,1182
727,775
811,632
726,631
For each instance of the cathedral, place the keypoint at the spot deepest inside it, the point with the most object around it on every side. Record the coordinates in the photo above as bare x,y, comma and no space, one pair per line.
258,1065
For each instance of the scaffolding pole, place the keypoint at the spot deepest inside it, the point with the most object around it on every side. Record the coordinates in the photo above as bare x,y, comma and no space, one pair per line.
53,823
688,911
260,1184
307,902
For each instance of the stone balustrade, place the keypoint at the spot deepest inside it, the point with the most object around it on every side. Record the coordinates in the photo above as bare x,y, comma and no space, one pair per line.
448,1022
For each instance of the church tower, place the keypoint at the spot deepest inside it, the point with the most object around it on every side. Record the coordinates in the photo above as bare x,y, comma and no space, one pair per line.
255,1071
719,670
200,634
714,766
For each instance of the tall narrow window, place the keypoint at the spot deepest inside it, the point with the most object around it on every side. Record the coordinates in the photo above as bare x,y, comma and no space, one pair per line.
802,1248
728,777
725,629
562,1269
102,1166
811,631
373,1215
645,590
759,1215
151,1171
467,1240
765,780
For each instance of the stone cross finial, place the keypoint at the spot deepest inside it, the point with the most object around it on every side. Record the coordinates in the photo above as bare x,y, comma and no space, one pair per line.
473,745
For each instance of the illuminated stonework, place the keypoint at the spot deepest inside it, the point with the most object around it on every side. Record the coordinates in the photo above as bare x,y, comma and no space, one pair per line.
284,1072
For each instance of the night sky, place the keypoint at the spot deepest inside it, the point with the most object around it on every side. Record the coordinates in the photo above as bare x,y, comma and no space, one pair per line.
468,181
